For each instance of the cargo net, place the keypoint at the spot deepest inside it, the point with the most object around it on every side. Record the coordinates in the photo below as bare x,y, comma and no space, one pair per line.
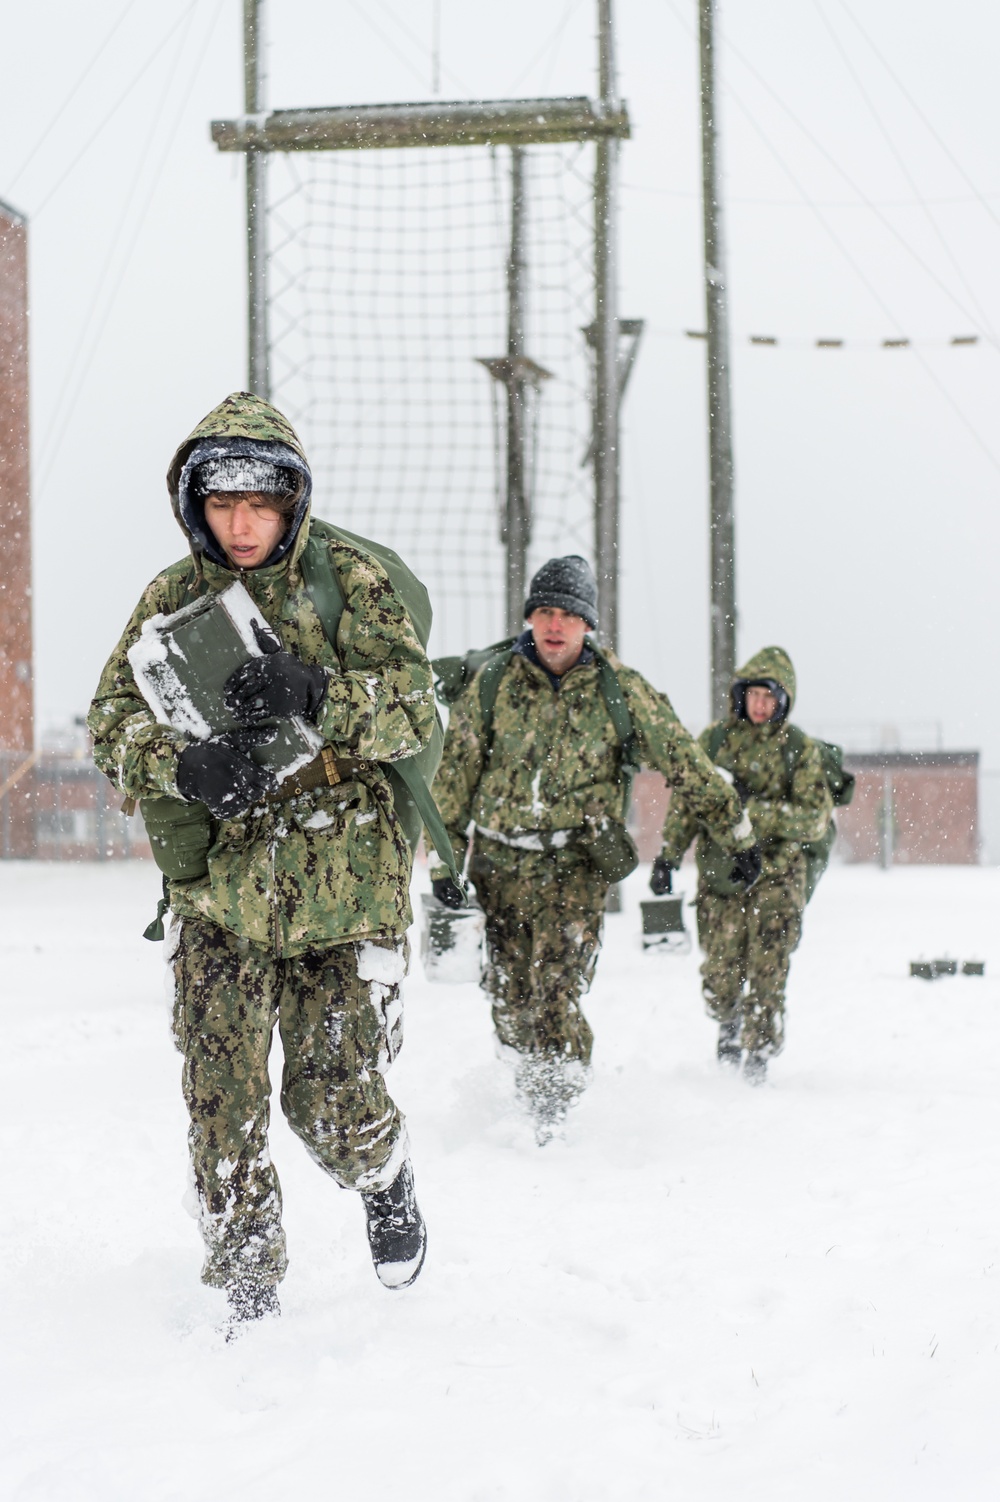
387,284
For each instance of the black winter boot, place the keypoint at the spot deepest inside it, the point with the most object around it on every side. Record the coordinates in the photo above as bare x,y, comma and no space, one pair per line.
755,1068
396,1232
248,1302
727,1049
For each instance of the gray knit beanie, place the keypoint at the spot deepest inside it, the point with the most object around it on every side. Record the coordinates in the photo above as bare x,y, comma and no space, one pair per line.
568,584
241,472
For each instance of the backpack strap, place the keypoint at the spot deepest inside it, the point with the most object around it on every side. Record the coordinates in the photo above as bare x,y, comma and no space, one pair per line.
792,748
621,719
489,683
717,739
323,586
326,592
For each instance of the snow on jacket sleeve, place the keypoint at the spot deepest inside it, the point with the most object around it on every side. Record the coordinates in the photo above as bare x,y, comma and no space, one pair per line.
805,815
702,796
130,747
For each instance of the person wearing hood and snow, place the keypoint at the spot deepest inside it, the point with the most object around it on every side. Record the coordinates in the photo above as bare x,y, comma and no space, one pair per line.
543,780
748,937
302,915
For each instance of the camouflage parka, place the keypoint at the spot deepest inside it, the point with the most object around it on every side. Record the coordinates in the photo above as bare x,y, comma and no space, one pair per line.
783,818
556,759
332,865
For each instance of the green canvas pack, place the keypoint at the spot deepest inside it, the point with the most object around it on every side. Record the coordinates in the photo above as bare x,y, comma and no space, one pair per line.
716,864
181,834
452,675
612,851
411,778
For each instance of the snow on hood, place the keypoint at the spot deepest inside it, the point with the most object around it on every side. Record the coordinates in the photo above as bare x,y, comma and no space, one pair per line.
248,426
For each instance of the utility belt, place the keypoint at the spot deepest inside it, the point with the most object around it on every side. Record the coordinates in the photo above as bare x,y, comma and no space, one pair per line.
610,850
325,770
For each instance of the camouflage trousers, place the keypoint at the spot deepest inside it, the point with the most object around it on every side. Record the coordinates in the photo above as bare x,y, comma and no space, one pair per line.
544,918
748,943
339,1015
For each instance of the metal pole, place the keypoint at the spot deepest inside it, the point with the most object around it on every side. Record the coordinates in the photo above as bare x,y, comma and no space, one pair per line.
606,466
517,522
258,374
886,823
720,446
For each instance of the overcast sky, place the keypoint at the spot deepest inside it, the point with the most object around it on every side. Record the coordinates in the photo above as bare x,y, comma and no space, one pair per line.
863,203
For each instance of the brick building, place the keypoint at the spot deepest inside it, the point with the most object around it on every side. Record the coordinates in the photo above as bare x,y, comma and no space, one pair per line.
912,808
16,699
909,808
17,728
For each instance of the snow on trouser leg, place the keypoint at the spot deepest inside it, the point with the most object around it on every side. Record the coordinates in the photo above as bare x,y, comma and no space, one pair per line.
340,1021
226,995
544,919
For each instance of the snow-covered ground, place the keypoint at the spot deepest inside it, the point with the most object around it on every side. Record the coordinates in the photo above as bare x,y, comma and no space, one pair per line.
704,1292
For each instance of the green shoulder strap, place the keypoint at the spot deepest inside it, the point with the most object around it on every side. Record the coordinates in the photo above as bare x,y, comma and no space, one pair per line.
792,749
717,739
614,698
489,683
621,719
414,800
452,675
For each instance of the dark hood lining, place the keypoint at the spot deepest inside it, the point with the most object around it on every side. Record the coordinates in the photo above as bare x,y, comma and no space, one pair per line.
739,698
191,506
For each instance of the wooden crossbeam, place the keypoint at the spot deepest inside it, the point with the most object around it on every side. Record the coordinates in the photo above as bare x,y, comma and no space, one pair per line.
499,122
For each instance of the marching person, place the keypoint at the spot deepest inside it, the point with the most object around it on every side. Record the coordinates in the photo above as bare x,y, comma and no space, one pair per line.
537,761
748,937
300,916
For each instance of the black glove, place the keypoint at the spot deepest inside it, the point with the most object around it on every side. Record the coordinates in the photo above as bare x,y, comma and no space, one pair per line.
220,773
746,867
661,878
274,686
742,791
446,891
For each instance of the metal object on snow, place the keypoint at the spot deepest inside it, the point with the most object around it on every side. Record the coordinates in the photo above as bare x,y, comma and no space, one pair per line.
934,969
663,925
451,941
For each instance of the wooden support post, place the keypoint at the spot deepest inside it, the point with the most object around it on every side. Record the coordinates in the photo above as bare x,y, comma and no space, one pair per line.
722,543
606,382
258,373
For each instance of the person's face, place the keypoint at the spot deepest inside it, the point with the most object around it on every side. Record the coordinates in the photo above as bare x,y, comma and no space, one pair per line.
558,637
761,704
246,527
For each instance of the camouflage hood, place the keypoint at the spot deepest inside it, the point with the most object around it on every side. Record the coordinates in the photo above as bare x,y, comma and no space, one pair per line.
772,666
249,427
